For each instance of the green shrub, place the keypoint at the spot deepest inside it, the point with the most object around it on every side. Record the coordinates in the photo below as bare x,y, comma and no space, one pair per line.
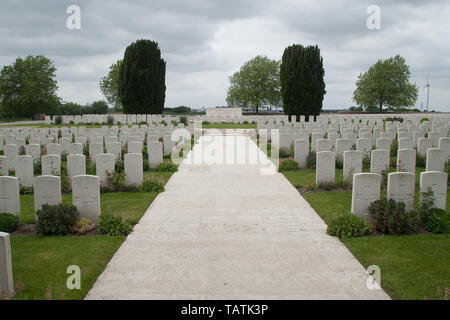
311,160
119,166
424,119
37,166
432,219
151,185
65,185
287,165
58,120
436,220
393,162
56,219
110,120
115,180
366,162
348,226
83,226
339,162
25,190
284,153
390,217
245,122
394,148
91,167
167,166
205,122
421,161
114,225
146,165
9,222
183,120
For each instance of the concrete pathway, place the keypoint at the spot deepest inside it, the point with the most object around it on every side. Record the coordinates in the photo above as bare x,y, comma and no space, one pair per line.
228,232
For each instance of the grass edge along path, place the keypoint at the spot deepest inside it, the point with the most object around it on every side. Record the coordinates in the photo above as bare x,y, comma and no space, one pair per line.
40,262
412,266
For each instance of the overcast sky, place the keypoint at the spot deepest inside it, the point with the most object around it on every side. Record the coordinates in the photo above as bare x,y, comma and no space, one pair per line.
206,41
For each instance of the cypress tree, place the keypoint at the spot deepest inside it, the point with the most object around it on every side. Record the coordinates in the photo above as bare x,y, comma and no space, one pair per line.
142,87
302,84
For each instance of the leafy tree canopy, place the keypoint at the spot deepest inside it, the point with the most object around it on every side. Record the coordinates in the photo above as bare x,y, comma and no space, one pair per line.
28,87
386,84
109,85
256,84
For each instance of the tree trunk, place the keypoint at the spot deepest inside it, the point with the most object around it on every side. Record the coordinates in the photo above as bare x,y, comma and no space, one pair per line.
315,118
297,118
306,118
381,107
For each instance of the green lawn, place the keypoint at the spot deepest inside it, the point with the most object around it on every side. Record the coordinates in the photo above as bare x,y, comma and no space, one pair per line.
41,262
132,205
412,266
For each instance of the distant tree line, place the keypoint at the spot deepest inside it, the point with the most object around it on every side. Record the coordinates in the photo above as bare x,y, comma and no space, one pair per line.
72,108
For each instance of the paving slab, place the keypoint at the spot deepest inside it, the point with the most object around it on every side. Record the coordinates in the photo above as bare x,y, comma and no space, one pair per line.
226,231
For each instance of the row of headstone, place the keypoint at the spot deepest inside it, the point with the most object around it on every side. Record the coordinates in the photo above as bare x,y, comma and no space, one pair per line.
47,190
76,163
401,187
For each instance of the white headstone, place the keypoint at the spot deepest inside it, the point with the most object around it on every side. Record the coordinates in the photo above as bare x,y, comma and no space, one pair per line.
76,148
51,165
3,166
444,143
435,181
135,147
76,165
352,164
325,167
301,151
94,149
343,145
379,161
6,271
364,145
47,190
33,150
133,169
436,159
9,195
323,145
401,186
423,145
155,153
86,196
24,170
11,151
114,148
53,148
406,160
383,143
365,190
104,163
